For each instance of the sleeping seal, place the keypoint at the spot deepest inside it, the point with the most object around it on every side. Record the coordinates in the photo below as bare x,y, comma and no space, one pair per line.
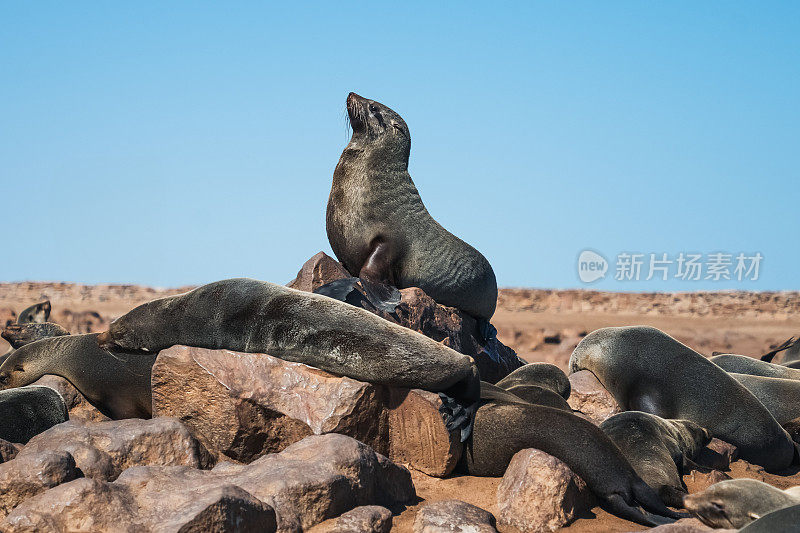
734,503
741,364
28,411
647,370
381,231
657,449
542,375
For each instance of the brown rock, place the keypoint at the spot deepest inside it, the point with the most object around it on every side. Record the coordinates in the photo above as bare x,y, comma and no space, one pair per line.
697,481
8,450
540,493
318,271
31,474
453,516
104,449
717,455
318,478
590,397
365,519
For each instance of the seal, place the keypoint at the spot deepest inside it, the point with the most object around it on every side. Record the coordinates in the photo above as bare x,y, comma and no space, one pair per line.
248,315
542,375
35,314
781,397
647,370
741,364
117,383
28,411
786,519
657,449
381,231
18,335
505,425
529,393
735,503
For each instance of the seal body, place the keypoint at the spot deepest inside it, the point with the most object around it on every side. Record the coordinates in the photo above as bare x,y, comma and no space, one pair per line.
657,449
647,370
735,503
28,411
381,231
741,364
117,383
542,375
786,520
781,397
18,335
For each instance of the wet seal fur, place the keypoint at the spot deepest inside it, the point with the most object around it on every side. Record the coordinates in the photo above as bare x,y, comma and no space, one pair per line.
381,231
27,411
117,383
658,449
735,503
647,370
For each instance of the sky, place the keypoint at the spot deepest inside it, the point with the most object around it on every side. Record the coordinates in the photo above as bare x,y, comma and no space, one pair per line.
180,143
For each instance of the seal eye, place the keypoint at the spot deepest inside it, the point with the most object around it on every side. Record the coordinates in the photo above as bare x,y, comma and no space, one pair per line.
373,108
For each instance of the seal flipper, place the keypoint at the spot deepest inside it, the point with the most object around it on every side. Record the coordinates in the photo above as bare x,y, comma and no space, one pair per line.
769,356
617,506
489,336
382,296
460,403
342,290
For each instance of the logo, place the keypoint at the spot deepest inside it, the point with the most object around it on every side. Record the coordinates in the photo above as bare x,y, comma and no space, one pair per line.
591,266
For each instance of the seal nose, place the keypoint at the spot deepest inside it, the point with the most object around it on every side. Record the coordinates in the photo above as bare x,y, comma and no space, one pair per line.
353,97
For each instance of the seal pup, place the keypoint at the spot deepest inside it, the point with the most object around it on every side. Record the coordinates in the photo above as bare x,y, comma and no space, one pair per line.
786,520
115,382
381,231
28,411
35,314
542,375
734,503
248,315
781,397
657,449
647,370
505,424
741,364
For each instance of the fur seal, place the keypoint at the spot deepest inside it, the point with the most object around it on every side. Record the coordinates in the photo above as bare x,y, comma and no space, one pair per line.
647,370
657,449
505,425
115,382
381,231
27,411
734,503
741,364
18,335
542,375
781,397
786,520
35,314
528,393
790,349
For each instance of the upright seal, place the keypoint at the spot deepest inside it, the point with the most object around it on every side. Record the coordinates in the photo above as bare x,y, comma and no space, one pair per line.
381,231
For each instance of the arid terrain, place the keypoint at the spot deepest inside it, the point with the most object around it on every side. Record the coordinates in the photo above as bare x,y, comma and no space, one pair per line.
541,325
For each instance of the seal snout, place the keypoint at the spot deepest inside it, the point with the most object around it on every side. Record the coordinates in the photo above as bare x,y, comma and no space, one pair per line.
355,110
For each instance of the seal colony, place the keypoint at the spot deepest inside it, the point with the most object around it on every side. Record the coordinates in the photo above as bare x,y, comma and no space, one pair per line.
675,400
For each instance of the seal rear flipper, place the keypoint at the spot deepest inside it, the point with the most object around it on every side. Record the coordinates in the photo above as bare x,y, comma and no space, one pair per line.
460,404
617,506
489,337
769,356
649,500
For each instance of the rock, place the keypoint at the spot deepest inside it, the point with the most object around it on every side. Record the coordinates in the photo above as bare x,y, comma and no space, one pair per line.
365,519
699,481
540,493
318,271
687,525
453,516
79,408
28,475
103,450
245,405
8,450
717,455
318,478
590,397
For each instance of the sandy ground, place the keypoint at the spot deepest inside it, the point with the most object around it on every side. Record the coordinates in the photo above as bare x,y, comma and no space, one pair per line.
541,325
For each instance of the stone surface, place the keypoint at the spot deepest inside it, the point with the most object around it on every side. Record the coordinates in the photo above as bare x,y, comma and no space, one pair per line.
103,450
365,519
540,493
318,271
316,479
246,405
697,481
453,516
590,397
717,455
8,450
28,475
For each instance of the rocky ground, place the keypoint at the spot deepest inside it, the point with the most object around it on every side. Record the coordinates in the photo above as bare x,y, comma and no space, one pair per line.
207,459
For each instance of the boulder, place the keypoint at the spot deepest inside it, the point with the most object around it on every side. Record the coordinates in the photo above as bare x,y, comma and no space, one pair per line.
365,519
319,478
8,450
32,474
540,493
318,271
103,450
590,398
245,405
453,516
717,455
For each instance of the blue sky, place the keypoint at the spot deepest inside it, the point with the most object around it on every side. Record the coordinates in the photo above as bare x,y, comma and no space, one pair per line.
185,142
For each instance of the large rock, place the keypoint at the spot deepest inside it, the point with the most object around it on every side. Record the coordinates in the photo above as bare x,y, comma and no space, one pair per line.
590,398
316,479
32,474
365,519
8,450
103,450
453,516
318,271
540,493
246,405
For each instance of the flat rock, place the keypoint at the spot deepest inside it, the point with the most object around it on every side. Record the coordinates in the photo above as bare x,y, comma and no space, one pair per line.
590,397
453,516
365,519
103,450
319,478
32,474
540,493
245,405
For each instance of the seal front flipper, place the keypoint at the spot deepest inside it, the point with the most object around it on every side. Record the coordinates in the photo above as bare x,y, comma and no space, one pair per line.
382,296
362,293
342,290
